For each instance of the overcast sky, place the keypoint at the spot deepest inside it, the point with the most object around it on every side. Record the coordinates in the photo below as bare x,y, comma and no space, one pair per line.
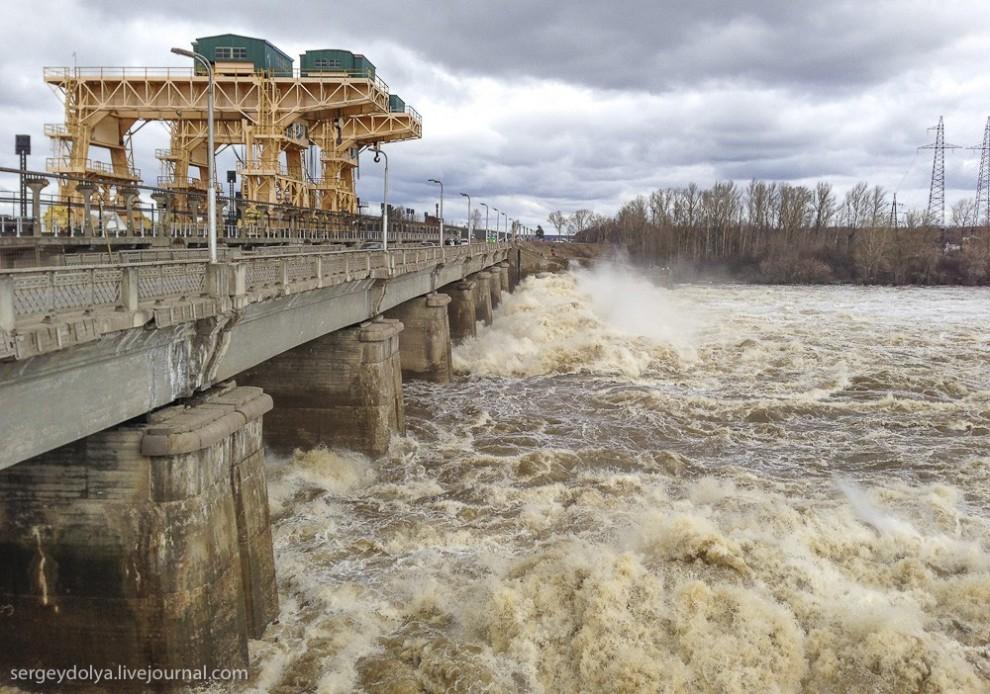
536,105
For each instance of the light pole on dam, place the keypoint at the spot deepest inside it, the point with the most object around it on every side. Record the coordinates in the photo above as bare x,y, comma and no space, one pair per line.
379,153
211,161
469,222
439,183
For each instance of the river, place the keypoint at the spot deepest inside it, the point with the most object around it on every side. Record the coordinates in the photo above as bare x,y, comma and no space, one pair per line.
714,488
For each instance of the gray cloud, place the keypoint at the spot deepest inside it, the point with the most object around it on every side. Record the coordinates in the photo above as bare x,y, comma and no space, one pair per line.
537,105
630,45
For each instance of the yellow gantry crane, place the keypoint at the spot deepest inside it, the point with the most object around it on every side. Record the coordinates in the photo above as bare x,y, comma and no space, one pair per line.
339,140
261,103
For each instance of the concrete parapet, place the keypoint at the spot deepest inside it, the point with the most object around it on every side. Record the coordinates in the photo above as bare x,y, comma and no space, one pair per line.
136,546
483,296
343,389
424,343
461,312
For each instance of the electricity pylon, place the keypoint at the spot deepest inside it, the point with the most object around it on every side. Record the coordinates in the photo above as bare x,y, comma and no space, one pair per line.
982,210
936,193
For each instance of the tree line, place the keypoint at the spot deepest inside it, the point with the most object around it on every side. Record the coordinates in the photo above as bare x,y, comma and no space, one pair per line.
778,232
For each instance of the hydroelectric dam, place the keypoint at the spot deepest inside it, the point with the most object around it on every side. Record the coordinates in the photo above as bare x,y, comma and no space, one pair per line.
156,339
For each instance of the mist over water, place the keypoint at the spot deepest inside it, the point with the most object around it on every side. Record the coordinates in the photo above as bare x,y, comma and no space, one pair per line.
636,489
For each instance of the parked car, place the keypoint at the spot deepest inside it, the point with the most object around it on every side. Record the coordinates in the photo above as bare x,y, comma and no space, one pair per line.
371,246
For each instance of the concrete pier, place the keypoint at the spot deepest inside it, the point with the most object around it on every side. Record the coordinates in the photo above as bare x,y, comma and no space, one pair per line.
483,297
424,343
340,390
503,276
146,545
495,287
461,311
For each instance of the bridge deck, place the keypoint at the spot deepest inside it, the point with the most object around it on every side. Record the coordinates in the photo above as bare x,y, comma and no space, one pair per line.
84,348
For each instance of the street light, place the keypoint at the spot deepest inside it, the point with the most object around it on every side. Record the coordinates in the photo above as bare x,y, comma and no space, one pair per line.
506,232
485,205
469,216
439,183
498,216
211,196
378,154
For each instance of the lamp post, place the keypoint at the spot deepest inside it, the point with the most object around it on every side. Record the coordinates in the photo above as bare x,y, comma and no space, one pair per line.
469,216
498,216
212,159
485,205
378,154
506,232
439,183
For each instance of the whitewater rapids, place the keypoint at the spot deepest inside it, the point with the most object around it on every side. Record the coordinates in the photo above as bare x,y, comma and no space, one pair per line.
635,489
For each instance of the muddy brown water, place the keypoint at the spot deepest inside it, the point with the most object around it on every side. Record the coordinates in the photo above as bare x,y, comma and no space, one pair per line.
636,489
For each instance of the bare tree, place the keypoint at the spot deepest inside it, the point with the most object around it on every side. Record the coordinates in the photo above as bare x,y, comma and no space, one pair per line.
878,207
856,207
795,210
578,221
964,213
825,206
661,202
558,220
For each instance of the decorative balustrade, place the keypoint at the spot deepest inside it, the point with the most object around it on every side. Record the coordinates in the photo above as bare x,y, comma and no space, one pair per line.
43,295
81,289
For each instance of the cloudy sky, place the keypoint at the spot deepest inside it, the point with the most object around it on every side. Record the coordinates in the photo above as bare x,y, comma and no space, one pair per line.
536,105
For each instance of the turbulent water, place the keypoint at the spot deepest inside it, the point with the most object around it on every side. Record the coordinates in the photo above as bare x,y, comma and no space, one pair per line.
636,489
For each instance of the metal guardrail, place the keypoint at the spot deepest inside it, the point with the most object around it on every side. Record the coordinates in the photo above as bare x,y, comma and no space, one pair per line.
257,167
56,130
36,294
55,73
174,213
66,73
65,164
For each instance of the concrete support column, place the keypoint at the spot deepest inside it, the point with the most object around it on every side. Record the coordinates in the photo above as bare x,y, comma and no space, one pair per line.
424,343
85,189
495,286
343,389
515,267
461,312
130,195
147,545
36,185
483,296
503,275
162,200
194,214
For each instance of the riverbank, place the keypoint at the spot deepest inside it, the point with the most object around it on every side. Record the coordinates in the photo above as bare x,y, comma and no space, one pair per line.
542,256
